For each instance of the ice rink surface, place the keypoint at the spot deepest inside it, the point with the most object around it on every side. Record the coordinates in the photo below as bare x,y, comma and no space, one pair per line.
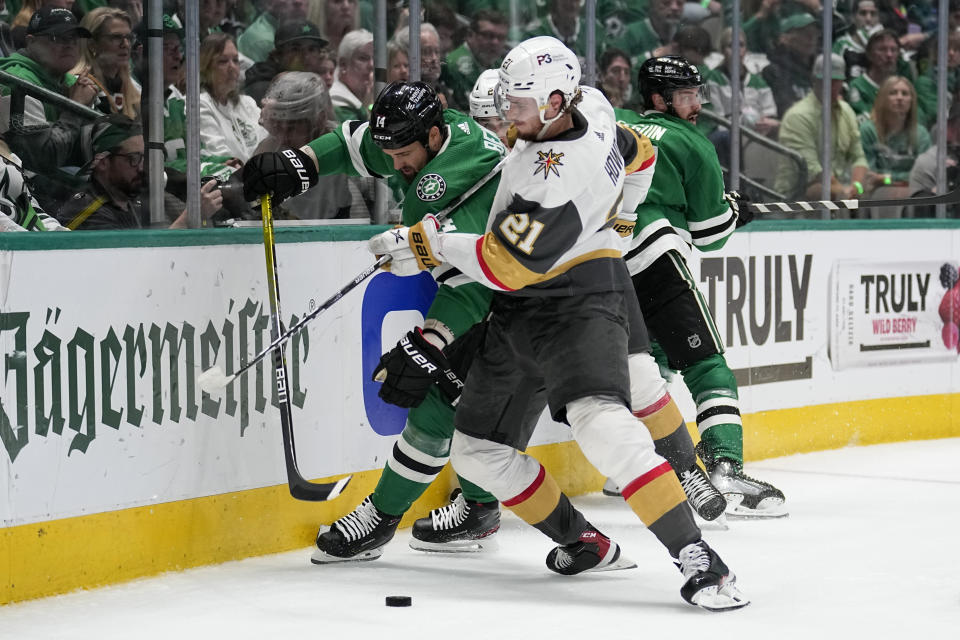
870,551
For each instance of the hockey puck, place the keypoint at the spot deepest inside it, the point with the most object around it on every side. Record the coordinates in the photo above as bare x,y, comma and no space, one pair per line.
399,601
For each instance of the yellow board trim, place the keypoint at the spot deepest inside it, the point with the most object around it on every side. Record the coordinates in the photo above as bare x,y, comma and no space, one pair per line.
57,556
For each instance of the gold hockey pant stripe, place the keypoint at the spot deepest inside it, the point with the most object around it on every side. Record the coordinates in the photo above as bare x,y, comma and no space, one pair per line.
654,493
537,501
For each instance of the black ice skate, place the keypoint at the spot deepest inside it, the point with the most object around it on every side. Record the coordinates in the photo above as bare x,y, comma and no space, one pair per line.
747,497
359,535
458,527
708,581
702,496
592,551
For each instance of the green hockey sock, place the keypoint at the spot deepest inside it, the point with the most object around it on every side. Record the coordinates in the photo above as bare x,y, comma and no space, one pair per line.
474,493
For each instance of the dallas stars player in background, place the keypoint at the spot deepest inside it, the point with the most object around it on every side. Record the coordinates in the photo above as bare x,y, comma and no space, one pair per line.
437,154
686,206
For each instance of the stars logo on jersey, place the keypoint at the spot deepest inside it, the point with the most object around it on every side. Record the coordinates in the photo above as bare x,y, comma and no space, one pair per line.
547,163
431,187
464,127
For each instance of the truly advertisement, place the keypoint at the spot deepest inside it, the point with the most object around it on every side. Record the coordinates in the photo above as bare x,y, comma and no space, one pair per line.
886,313
763,303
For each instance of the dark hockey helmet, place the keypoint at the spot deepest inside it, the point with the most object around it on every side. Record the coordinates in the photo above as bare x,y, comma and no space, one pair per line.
404,113
664,75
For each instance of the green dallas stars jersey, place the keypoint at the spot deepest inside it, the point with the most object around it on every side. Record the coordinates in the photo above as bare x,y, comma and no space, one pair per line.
468,154
684,206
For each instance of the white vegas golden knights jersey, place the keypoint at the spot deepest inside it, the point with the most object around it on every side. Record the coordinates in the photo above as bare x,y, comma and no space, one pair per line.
550,231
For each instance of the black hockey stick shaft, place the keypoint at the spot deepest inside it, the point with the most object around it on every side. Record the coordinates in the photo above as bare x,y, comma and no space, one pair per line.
800,206
360,277
300,487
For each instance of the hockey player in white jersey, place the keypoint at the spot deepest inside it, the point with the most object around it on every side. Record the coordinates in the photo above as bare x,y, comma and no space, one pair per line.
559,327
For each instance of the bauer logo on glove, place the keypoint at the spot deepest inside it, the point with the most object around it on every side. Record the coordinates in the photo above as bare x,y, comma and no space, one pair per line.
411,249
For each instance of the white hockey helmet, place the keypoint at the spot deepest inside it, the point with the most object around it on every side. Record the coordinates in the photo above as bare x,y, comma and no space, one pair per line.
481,98
536,68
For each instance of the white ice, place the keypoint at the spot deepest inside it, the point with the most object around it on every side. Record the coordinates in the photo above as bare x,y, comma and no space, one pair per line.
869,552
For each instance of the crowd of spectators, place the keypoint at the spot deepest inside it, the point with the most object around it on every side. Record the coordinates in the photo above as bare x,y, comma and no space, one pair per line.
277,73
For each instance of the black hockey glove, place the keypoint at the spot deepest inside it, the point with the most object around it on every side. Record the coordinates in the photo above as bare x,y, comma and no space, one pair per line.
738,203
411,368
281,174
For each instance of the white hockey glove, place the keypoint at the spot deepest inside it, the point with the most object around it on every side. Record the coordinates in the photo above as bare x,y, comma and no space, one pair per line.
738,204
411,249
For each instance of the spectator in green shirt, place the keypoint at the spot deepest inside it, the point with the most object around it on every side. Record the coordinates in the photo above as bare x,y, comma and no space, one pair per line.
927,83
882,55
483,48
654,35
256,42
891,137
800,130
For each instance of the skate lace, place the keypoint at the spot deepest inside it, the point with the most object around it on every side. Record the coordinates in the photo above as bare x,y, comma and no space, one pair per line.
360,522
451,515
696,486
693,559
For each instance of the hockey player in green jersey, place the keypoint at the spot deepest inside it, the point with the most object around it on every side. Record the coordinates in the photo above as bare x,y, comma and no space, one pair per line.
438,154
686,207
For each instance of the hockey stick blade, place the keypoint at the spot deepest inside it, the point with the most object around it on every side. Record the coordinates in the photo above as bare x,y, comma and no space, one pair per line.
800,206
213,378
317,491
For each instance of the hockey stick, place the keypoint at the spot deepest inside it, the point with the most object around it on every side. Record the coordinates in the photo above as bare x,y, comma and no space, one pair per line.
300,487
952,197
214,377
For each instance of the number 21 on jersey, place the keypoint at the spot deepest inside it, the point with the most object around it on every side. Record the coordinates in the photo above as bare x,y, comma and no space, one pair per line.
518,230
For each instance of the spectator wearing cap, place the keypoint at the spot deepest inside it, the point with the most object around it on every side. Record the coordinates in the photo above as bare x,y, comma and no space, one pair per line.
483,48
352,91
105,59
788,74
764,26
52,49
18,26
800,130
259,38
112,198
228,120
298,46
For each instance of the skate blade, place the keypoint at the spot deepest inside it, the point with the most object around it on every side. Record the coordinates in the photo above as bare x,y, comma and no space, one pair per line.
478,545
619,564
322,557
611,489
720,598
767,509
717,524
